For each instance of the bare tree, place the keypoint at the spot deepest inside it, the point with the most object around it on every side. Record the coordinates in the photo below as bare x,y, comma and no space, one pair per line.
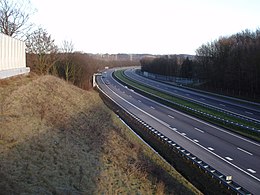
14,17
67,49
40,44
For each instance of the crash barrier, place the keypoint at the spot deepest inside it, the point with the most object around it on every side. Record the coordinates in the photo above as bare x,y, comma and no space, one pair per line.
199,173
206,116
216,109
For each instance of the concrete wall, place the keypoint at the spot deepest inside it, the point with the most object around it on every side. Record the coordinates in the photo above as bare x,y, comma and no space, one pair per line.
12,57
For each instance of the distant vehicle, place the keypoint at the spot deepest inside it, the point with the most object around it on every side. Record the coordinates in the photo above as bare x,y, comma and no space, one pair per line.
106,67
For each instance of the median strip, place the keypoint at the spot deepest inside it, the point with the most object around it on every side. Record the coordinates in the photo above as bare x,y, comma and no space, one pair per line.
213,116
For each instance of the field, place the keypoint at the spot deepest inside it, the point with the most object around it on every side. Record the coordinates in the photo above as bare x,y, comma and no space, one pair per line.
58,139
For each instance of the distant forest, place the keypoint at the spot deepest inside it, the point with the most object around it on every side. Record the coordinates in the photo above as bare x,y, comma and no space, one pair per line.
229,65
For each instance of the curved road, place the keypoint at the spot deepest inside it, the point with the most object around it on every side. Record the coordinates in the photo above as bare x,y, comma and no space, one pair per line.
227,152
247,110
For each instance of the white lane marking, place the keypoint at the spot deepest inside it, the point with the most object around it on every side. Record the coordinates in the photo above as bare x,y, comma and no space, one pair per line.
139,101
152,107
245,151
251,170
222,105
171,116
228,158
199,130
183,134
195,140
210,148
249,112
203,122
173,128
165,124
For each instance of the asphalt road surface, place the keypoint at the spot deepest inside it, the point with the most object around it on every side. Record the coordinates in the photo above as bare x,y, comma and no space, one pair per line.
244,109
227,152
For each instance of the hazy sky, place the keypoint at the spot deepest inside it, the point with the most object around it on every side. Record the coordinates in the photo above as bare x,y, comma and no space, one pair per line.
144,26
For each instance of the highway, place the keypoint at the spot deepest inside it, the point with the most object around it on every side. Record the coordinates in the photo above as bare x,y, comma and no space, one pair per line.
244,109
229,153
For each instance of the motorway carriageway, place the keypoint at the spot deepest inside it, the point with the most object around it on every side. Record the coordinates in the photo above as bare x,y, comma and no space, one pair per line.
244,109
227,152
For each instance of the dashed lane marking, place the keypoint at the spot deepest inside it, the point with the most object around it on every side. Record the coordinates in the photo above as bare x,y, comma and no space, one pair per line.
245,151
251,170
199,130
171,116
228,158
210,148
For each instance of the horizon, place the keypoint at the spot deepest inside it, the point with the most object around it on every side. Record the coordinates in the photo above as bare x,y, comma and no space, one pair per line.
137,27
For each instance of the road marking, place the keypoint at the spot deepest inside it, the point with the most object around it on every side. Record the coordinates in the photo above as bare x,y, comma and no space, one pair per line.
199,130
245,151
165,124
251,170
222,105
173,128
183,134
152,107
139,101
196,140
249,112
171,116
228,158
210,148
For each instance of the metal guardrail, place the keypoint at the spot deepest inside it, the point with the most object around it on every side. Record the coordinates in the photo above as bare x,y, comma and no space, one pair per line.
208,106
225,180
200,112
221,178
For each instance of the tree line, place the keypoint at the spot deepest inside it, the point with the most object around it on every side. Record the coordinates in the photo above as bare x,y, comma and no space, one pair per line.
228,65
173,65
43,56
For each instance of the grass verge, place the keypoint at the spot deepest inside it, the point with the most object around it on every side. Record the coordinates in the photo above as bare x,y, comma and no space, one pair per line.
58,139
184,105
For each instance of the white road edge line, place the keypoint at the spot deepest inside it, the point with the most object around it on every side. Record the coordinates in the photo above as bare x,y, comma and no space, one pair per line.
165,124
245,151
237,136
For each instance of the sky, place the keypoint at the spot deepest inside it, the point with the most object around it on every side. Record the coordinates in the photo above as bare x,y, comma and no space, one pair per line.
144,26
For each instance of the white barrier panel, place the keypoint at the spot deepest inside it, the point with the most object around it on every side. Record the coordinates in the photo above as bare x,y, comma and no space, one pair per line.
12,54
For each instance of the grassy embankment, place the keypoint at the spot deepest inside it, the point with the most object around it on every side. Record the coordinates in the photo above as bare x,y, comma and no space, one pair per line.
58,139
153,92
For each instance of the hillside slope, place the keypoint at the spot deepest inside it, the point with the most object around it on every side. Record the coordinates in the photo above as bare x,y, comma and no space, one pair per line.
58,139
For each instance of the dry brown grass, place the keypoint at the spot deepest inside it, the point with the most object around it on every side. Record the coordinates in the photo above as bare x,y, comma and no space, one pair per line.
58,139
